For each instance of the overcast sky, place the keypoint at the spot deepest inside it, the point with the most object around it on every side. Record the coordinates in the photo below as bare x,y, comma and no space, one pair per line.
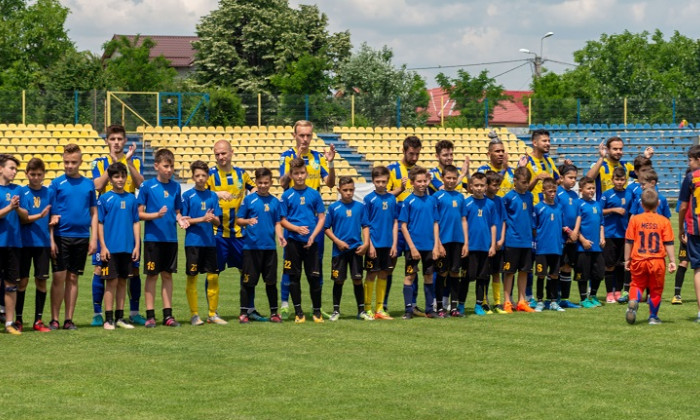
422,33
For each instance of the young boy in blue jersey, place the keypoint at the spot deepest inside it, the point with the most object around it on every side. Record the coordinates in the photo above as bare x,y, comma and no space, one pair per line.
160,206
200,206
453,242
34,206
74,236
303,216
119,232
517,257
615,206
480,213
259,215
494,182
419,224
568,200
548,246
381,212
648,181
590,265
10,238
343,226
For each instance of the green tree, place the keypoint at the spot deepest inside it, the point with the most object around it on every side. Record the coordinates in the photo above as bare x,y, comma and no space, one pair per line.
378,85
225,108
131,68
473,95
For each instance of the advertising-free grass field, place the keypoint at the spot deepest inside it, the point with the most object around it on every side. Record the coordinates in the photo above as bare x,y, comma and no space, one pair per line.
583,363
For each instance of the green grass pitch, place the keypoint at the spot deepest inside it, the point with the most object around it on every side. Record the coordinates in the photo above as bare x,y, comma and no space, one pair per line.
577,364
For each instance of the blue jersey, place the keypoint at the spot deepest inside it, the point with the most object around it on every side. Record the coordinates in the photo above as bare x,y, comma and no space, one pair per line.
591,214
451,210
633,192
499,214
153,195
195,204
268,211
662,209
548,225
419,213
480,218
36,234
345,219
10,231
568,201
380,212
436,181
615,224
301,208
117,213
73,199
519,219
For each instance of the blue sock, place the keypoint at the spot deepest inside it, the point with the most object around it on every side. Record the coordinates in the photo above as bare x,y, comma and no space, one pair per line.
429,290
98,293
407,295
414,293
134,293
388,287
284,288
528,288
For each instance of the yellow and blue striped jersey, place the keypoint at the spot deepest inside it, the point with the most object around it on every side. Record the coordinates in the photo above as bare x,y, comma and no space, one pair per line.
235,182
398,170
507,173
100,165
316,166
436,181
536,167
604,180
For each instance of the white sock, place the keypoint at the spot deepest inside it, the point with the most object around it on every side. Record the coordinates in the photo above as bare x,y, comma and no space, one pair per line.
8,323
445,301
133,313
285,304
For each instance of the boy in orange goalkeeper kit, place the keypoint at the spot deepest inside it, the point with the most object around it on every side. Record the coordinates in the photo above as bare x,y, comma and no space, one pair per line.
648,239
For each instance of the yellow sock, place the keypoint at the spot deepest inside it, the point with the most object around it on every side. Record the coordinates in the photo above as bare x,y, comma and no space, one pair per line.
369,291
381,293
496,287
191,291
213,293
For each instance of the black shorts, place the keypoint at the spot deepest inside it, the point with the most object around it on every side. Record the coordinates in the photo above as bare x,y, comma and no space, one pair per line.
40,256
452,261
296,255
340,263
590,266
614,252
257,262
9,264
118,266
200,259
382,262
682,252
547,264
159,257
517,259
426,260
71,255
496,262
570,255
478,265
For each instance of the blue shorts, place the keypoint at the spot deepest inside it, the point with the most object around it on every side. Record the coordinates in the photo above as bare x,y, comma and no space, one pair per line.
229,252
694,251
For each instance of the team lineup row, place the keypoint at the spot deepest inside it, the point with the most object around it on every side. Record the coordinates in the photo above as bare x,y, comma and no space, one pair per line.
511,217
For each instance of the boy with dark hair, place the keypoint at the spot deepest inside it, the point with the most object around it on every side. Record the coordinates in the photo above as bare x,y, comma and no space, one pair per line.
120,243
453,243
548,246
648,181
302,211
259,216
160,206
649,238
493,189
689,217
34,206
568,201
381,212
74,236
343,225
615,206
422,239
517,256
10,238
444,152
481,244
200,206
590,264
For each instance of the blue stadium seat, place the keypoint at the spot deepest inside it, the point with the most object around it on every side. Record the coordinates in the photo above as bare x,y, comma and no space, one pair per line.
656,126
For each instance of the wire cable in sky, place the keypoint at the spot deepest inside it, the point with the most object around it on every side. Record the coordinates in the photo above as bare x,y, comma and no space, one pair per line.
469,65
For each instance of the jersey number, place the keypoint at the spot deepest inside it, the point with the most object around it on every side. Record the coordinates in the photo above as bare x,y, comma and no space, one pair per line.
652,245
193,268
287,264
105,271
151,265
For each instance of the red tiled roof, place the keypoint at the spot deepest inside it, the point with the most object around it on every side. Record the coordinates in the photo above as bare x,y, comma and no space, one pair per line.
177,49
512,112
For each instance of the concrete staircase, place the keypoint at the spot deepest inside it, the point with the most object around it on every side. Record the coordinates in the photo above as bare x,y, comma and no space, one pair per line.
350,154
